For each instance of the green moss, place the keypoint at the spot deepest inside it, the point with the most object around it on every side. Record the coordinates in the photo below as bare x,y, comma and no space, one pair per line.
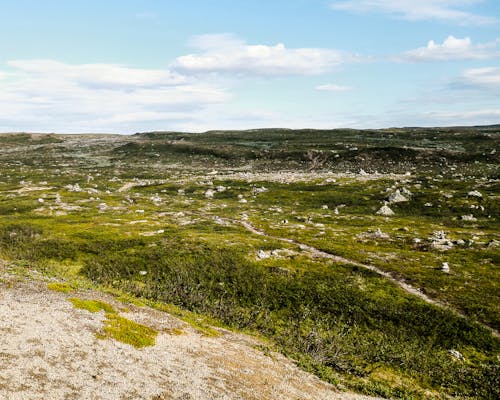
92,305
117,327
127,331
60,287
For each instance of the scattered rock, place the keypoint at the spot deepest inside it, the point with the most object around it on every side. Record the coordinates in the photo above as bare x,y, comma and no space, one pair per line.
73,188
457,355
439,241
209,194
378,234
406,192
156,199
475,193
493,244
258,190
261,254
397,197
385,210
468,217
276,253
445,268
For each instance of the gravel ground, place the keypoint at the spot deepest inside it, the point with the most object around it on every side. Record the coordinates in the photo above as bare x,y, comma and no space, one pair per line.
49,350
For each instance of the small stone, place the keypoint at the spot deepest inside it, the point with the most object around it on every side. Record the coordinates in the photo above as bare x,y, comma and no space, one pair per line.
493,244
457,354
397,197
385,210
475,193
261,255
445,267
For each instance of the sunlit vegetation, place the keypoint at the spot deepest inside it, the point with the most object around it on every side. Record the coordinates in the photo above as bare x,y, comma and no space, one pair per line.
156,219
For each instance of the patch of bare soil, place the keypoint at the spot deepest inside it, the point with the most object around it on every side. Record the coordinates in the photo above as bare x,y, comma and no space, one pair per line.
49,350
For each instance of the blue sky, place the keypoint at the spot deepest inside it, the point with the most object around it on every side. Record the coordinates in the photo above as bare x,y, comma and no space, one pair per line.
130,65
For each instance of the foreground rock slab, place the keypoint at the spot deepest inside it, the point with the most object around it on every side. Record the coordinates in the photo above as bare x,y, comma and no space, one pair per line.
49,350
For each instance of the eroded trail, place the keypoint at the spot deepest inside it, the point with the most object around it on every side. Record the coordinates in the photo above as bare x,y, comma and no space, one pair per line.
317,253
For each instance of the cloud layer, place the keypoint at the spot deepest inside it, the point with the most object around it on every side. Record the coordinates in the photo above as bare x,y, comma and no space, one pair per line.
482,78
195,91
227,54
415,10
453,48
49,95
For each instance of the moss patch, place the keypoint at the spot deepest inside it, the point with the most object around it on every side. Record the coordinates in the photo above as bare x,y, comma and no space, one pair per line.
127,331
117,327
60,287
92,305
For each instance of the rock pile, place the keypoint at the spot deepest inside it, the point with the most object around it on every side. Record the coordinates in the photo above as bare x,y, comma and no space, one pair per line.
385,210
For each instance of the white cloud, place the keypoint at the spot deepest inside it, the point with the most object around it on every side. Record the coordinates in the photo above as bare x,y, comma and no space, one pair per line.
453,48
330,87
225,53
484,78
414,10
49,95
102,75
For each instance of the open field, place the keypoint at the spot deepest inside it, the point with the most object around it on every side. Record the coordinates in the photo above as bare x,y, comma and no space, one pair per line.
370,258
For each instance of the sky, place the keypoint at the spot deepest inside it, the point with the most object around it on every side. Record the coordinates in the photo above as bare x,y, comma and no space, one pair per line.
126,66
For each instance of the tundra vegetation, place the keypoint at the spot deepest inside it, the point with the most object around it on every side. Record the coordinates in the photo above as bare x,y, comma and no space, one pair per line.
166,219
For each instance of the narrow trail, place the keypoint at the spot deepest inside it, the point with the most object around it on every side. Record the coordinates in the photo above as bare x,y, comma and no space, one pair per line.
323,254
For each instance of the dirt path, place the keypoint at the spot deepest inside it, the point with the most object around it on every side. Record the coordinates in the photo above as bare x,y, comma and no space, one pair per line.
323,254
49,350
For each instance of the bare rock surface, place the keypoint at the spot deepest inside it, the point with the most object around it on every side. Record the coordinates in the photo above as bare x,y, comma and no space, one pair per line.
49,350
